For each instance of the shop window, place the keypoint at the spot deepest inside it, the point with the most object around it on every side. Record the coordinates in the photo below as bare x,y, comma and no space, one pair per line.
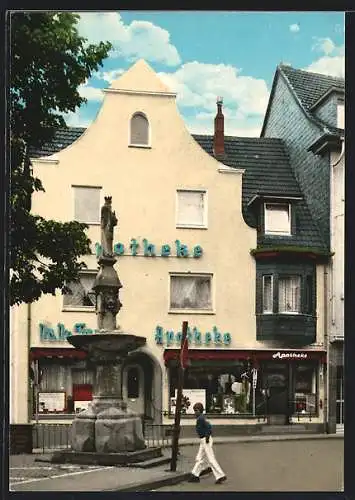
290,294
133,383
87,204
80,293
222,389
267,294
305,388
139,130
278,218
190,292
191,209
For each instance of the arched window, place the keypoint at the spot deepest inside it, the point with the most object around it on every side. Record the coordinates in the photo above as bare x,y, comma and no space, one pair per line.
139,130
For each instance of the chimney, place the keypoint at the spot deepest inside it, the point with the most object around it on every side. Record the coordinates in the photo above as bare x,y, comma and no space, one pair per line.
218,139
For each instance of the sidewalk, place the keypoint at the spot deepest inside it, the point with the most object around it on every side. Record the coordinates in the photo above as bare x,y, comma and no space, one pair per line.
97,478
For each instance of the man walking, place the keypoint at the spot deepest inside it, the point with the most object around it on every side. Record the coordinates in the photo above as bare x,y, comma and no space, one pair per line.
205,455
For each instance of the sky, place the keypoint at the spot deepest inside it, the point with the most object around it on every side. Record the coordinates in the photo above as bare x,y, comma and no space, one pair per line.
202,55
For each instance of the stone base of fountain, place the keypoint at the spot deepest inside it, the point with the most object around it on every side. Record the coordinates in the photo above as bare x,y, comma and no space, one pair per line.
95,458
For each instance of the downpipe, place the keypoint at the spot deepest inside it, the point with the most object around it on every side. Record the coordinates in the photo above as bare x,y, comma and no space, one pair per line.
326,343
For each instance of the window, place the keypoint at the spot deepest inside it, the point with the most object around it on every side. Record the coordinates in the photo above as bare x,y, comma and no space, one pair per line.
191,208
81,293
190,292
290,294
293,294
87,204
133,383
267,294
305,395
340,117
277,218
223,387
139,130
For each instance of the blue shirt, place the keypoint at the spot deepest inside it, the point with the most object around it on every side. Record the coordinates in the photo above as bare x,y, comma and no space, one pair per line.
203,428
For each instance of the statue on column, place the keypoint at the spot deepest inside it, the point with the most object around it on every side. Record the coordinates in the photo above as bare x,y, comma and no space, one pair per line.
108,222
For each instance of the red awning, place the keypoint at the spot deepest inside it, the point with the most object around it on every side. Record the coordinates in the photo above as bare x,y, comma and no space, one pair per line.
230,354
56,352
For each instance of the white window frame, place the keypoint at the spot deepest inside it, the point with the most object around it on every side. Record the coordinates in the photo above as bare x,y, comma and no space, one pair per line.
80,308
204,224
279,233
285,276
91,223
192,311
272,294
341,115
138,145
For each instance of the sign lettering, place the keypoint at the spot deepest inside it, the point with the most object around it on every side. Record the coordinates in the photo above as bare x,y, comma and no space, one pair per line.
148,249
290,355
194,335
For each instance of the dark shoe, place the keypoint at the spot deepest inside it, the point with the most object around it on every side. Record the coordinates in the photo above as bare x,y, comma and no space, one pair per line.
221,479
193,479
206,471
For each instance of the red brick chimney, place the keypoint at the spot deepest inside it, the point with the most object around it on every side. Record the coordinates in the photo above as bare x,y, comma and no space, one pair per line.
218,139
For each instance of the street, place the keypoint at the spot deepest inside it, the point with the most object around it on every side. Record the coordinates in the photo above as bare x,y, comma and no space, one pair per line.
274,466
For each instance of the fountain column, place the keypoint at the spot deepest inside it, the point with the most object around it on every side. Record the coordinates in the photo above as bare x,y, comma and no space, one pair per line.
106,426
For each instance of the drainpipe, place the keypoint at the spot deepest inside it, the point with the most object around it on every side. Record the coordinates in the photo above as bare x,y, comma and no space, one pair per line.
326,343
341,154
29,386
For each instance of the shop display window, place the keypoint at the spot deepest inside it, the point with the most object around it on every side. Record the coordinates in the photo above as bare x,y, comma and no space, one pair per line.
228,389
305,388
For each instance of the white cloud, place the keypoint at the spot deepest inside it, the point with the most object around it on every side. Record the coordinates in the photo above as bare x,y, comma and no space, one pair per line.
91,93
109,76
325,45
198,85
139,39
294,28
76,120
332,62
232,126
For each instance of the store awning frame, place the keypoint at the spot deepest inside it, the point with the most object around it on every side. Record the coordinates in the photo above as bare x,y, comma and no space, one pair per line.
246,354
56,352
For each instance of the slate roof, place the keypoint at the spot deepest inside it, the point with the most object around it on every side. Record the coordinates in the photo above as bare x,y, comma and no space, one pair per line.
267,171
309,87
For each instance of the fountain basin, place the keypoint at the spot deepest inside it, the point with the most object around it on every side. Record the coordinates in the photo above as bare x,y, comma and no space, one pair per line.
109,342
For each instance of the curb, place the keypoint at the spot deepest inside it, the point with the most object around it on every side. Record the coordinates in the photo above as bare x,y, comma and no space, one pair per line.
262,439
155,483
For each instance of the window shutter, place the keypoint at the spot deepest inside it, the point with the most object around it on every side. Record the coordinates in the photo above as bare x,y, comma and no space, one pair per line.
87,204
139,130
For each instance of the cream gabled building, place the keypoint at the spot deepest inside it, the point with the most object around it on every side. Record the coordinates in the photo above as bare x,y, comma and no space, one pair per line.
184,245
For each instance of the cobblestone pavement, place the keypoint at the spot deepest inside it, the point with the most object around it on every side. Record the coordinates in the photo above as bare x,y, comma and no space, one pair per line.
314,465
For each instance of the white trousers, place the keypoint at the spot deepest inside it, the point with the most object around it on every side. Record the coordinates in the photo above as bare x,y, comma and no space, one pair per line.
205,457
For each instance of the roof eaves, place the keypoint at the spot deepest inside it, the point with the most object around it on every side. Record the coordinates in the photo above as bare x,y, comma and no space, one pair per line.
273,87
299,102
324,142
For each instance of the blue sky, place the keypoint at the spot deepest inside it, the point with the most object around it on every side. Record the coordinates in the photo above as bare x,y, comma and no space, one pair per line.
202,55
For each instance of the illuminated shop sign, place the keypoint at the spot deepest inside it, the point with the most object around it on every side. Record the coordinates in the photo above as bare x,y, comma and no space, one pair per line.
290,355
147,249
194,335
47,333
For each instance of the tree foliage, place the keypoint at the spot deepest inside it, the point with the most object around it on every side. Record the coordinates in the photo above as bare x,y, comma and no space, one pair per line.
49,60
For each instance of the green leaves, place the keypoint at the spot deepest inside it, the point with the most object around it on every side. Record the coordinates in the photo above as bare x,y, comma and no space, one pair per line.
49,60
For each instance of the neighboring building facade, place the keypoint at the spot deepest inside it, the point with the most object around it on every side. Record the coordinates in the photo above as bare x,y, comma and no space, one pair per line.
212,230
306,110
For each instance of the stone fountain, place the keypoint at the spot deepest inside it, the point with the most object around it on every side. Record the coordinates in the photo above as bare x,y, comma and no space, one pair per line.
107,432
